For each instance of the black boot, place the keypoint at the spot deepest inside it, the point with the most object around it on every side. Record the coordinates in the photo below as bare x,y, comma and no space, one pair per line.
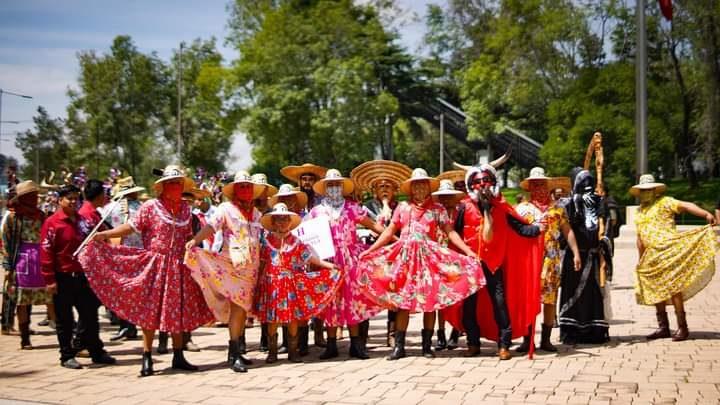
524,346
147,365
318,337
683,333
441,341
272,349
545,342
294,350
25,336
663,330
364,330
242,346
454,340
162,343
234,358
331,350
398,351
356,349
390,333
284,346
263,337
427,343
179,362
303,340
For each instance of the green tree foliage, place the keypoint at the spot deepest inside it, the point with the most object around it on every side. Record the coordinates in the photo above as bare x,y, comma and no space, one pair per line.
45,147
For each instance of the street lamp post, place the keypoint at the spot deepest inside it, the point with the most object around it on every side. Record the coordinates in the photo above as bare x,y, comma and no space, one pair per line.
1,96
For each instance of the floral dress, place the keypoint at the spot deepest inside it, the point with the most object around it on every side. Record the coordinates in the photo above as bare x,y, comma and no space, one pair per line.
673,262
416,273
229,276
24,283
285,291
149,286
350,306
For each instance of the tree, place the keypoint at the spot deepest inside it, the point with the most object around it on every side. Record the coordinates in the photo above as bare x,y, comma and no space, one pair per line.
44,148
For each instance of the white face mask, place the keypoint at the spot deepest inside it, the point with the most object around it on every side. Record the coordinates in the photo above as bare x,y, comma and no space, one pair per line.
334,195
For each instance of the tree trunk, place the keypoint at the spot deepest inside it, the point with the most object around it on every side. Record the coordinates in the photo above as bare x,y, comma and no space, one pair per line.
685,142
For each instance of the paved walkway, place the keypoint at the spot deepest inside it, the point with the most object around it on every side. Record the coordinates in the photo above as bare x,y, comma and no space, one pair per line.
626,370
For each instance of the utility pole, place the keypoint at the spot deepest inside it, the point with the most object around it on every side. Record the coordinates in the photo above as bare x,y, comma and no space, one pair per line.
179,105
641,90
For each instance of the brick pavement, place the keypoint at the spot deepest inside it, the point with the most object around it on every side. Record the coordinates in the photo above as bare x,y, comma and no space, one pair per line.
626,370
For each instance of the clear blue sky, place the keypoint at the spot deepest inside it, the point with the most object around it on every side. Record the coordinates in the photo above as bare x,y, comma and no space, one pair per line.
39,41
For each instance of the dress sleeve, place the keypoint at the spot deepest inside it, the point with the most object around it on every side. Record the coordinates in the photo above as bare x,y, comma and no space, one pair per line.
672,204
6,231
358,212
399,218
443,218
217,219
142,219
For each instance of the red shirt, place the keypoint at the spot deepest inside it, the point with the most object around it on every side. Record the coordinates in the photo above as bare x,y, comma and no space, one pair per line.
59,238
89,217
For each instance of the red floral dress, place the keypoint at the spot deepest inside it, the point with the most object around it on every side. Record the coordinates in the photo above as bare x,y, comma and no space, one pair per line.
285,291
417,273
149,286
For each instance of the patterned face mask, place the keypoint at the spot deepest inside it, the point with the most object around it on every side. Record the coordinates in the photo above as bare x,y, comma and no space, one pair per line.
334,195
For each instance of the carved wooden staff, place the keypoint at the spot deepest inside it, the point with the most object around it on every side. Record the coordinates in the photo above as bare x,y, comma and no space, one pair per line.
595,149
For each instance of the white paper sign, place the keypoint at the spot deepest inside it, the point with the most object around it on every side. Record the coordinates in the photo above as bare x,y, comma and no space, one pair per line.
315,233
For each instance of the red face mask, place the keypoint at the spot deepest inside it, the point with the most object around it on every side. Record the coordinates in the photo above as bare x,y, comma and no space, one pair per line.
243,192
172,191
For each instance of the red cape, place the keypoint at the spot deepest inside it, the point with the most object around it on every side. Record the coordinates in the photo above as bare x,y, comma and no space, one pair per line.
521,266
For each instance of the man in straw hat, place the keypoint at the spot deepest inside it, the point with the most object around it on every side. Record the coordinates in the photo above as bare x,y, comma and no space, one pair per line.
543,208
228,279
383,178
673,266
511,253
151,287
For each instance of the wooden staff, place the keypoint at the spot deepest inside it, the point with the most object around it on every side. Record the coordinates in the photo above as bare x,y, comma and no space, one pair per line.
595,149
96,228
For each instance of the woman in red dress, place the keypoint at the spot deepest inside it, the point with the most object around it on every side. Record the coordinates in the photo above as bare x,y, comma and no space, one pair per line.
150,286
286,293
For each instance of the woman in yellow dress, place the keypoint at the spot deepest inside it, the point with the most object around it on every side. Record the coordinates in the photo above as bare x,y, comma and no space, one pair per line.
673,266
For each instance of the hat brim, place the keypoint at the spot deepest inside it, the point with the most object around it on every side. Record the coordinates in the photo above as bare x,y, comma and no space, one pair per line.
452,175
551,183
266,220
188,184
457,195
405,186
370,172
123,193
228,189
635,190
301,197
293,173
348,185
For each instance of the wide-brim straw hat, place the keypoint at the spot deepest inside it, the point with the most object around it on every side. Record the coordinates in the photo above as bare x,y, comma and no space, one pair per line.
242,177
551,183
293,173
370,172
447,188
199,193
172,172
279,209
125,186
453,175
647,182
419,174
334,175
287,190
25,187
261,179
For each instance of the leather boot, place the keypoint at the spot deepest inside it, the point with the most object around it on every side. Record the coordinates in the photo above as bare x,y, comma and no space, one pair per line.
398,350
162,343
331,350
263,337
303,339
441,341
454,340
235,361
25,336
427,343
390,333
545,340
294,350
242,346
663,330
272,349
472,351
683,332
524,346
504,354
285,337
179,362
147,365
356,349
318,336
364,337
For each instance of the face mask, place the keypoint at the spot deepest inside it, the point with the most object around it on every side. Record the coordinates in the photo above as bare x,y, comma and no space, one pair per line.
334,195
243,193
647,196
172,191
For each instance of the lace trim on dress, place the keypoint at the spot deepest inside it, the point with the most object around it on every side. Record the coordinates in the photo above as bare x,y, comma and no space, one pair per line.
165,216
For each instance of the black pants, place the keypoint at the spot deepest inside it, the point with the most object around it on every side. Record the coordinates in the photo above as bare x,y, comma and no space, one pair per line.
73,291
496,288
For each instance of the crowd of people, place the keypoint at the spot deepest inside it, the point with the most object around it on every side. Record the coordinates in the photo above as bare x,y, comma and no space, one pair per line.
225,251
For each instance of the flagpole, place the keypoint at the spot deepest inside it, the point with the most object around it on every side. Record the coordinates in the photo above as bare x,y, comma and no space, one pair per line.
641,91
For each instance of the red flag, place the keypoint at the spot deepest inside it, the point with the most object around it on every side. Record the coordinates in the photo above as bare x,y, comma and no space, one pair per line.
666,8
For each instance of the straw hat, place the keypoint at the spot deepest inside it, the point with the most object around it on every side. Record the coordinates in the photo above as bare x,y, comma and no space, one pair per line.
447,187
199,193
334,175
418,175
368,173
287,190
551,183
293,173
242,177
453,175
171,172
125,186
279,209
261,178
25,187
647,182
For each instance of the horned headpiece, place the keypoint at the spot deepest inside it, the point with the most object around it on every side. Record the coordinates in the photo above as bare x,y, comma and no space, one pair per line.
491,168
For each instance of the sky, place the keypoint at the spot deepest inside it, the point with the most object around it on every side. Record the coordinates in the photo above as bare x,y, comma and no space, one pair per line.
40,40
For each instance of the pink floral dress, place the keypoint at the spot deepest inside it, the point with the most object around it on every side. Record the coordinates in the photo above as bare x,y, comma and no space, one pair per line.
350,306
229,276
149,286
417,273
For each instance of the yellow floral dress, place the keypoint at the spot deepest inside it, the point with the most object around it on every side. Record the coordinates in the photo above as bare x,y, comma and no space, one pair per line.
673,262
